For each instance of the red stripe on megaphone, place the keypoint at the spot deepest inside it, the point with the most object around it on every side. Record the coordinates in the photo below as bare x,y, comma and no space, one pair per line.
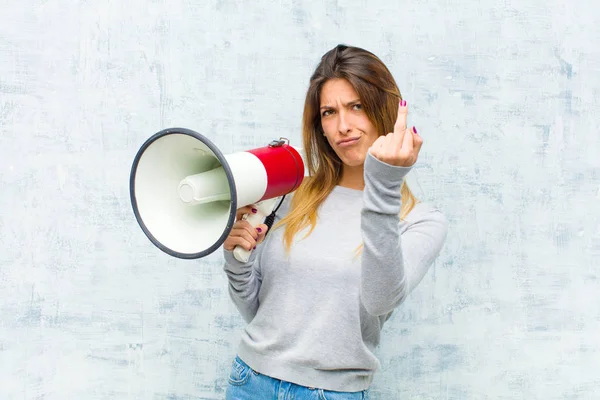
284,167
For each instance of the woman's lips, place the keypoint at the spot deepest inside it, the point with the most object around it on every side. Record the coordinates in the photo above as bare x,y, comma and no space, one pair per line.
348,142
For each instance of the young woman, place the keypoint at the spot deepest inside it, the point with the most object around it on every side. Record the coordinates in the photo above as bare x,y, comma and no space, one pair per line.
346,249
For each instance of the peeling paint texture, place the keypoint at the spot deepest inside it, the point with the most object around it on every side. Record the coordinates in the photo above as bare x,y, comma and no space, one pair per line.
504,93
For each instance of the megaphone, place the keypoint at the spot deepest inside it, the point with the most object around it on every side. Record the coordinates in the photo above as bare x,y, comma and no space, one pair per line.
185,192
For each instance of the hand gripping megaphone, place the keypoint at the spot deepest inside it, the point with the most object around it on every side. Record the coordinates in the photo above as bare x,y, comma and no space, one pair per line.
185,192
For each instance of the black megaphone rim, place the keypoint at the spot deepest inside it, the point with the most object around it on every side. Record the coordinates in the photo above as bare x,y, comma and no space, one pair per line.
230,180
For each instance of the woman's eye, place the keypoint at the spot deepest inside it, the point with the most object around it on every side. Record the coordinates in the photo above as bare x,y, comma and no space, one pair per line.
326,113
358,106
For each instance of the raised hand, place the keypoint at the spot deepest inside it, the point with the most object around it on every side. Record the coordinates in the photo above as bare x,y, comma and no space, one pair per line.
401,147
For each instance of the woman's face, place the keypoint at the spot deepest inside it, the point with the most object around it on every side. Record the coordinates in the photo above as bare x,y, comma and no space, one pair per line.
345,124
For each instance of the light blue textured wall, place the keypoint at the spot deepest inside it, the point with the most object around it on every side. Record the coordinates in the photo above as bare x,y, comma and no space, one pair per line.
504,93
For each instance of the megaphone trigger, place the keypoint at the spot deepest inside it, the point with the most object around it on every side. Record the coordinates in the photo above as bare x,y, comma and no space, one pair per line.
263,210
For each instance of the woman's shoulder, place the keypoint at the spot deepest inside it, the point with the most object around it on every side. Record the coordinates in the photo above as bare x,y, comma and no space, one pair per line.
426,211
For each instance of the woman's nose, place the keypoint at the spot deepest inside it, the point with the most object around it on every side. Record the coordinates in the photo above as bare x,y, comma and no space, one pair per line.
343,124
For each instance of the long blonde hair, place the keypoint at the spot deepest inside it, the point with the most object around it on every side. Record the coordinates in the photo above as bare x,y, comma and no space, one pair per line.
379,97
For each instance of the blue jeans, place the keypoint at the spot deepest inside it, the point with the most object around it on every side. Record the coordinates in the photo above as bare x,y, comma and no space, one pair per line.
247,384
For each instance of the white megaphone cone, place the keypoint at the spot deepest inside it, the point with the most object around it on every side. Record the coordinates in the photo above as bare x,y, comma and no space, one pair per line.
185,192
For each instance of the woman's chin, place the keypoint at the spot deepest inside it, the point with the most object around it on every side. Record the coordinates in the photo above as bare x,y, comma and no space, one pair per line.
353,162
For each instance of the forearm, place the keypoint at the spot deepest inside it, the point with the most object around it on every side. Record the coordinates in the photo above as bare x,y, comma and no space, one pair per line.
243,284
383,283
396,254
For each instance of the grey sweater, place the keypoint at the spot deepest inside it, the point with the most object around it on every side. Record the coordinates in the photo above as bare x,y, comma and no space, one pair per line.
315,316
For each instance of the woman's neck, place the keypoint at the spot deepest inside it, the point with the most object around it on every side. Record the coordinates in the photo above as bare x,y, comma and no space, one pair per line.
353,177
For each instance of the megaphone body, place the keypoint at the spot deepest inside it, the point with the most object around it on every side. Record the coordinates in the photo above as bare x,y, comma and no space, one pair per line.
185,192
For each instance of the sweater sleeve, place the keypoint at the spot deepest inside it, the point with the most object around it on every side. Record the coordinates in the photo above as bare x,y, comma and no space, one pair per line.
393,263
244,280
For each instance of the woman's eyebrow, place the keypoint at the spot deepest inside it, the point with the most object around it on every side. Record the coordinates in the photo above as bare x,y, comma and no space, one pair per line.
344,104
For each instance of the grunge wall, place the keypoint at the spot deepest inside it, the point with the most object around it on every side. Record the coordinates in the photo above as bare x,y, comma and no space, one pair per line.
505,95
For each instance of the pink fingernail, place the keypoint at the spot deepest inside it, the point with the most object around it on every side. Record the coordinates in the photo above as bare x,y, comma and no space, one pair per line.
254,248
259,230
415,130
403,103
254,210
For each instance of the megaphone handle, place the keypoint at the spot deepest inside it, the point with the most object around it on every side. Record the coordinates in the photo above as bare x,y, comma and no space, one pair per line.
264,208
